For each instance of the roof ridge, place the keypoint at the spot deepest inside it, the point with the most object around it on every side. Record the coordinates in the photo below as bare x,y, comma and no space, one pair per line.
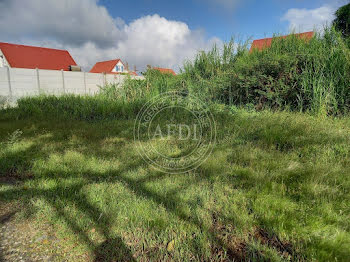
163,67
109,60
64,50
283,36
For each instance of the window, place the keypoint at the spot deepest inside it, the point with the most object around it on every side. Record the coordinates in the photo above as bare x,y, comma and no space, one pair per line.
119,68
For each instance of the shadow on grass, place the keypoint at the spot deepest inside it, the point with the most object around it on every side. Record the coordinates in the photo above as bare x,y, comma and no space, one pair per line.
113,247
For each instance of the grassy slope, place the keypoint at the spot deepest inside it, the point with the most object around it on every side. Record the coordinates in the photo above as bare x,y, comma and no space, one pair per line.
276,185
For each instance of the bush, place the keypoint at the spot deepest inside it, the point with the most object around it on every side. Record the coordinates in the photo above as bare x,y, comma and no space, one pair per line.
292,74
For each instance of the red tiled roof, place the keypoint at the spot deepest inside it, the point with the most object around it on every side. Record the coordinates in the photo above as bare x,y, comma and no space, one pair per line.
107,67
165,70
22,56
104,66
267,42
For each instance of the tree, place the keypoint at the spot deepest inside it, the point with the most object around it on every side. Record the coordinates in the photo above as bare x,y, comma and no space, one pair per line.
342,20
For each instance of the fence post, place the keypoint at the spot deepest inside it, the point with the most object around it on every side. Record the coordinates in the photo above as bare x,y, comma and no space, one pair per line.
64,87
9,82
104,79
85,82
38,79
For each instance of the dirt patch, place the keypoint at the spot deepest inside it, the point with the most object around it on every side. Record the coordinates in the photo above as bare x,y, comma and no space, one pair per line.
236,248
230,247
22,240
284,248
13,178
8,180
273,241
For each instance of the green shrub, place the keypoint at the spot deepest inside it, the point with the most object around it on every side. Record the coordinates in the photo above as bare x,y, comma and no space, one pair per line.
292,74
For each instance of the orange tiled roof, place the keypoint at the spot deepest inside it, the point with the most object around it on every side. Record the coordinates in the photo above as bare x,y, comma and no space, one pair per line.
23,56
104,66
107,67
165,70
266,42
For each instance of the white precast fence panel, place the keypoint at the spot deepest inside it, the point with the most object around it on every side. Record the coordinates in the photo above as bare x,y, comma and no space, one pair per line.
50,82
23,82
17,82
93,82
74,83
4,83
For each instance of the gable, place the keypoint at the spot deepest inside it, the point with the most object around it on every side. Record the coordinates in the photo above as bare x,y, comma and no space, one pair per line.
3,61
104,66
21,56
121,65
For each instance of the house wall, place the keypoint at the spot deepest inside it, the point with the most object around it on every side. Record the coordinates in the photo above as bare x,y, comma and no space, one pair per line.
120,64
3,61
18,82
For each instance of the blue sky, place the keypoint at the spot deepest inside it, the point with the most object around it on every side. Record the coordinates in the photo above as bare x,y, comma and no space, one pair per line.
160,33
251,18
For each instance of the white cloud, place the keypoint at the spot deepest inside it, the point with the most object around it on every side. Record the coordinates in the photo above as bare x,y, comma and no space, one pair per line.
309,19
73,22
89,32
159,41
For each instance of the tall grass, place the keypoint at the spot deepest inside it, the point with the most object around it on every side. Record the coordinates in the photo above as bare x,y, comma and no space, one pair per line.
89,108
293,74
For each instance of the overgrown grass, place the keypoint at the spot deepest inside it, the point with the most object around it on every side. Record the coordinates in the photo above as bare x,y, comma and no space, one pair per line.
90,108
292,74
276,187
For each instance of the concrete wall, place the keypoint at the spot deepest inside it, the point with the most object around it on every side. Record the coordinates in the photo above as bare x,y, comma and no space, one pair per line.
18,82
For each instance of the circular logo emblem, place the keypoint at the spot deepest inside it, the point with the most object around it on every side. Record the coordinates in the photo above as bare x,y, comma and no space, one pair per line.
175,132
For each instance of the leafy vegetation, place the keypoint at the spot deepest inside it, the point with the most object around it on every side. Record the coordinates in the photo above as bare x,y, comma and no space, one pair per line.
342,20
294,74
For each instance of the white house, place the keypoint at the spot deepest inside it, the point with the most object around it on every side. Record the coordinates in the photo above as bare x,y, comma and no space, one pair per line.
115,66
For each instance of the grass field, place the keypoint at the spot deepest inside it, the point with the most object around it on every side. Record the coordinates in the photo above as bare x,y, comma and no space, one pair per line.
275,188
